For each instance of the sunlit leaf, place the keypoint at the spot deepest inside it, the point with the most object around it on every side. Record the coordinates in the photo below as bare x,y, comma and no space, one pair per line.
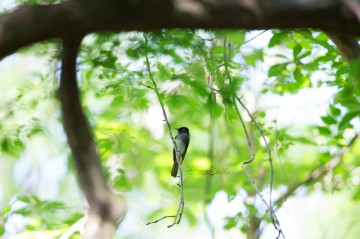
328,120
277,38
345,121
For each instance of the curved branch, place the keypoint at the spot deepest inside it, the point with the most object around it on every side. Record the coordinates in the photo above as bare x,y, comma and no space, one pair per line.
29,24
319,172
105,211
347,45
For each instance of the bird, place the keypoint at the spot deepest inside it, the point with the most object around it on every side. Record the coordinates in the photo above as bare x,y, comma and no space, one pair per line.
182,141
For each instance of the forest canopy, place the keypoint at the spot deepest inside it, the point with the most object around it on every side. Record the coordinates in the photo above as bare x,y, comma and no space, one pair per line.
85,144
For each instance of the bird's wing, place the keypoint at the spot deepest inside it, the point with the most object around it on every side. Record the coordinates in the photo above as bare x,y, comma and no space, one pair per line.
186,141
174,153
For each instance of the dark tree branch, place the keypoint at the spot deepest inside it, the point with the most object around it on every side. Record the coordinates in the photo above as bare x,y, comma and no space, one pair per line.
29,24
347,45
105,211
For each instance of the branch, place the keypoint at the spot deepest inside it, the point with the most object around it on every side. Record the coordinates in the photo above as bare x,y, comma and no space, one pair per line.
105,210
318,172
177,217
347,45
269,206
211,156
226,56
29,24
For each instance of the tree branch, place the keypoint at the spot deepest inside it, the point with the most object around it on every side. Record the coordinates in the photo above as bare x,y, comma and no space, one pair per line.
179,212
105,211
318,172
29,24
347,45
269,205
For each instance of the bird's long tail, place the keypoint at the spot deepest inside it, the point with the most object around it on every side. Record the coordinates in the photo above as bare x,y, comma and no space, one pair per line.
174,170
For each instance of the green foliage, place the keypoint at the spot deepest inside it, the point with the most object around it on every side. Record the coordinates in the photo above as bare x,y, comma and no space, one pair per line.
199,73
42,215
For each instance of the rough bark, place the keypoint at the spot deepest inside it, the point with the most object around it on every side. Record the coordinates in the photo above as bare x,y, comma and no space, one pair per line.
104,210
347,45
29,24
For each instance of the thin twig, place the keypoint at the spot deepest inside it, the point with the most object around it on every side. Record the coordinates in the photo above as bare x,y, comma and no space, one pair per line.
274,220
177,217
269,206
253,37
158,220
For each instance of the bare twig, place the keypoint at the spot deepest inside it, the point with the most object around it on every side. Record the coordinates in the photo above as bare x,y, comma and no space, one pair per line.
226,55
269,206
177,217
158,220
209,73
211,155
262,32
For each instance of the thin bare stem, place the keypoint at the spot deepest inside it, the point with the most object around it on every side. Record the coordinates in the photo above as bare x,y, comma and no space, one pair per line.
269,206
253,37
178,215
158,220
226,55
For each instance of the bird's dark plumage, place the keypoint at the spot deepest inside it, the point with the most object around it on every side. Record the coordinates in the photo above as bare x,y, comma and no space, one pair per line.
182,143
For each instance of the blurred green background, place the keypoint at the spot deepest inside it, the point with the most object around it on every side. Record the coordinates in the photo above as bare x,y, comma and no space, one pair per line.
297,87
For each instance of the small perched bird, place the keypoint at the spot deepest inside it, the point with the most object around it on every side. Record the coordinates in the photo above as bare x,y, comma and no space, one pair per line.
182,142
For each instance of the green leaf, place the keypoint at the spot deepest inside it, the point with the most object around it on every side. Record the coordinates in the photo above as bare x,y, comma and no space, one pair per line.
297,75
297,49
303,140
53,205
324,130
276,70
276,39
6,209
25,211
356,196
334,111
230,222
328,120
345,121
236,37
121,181
163,72
24,198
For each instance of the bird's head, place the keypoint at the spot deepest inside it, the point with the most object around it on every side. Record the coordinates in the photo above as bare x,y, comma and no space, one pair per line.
182,130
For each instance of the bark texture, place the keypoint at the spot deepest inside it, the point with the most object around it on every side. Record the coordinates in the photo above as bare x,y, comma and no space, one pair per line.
104,210
29,24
